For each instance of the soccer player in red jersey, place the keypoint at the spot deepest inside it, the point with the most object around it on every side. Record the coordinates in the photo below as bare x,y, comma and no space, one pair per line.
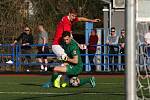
66,25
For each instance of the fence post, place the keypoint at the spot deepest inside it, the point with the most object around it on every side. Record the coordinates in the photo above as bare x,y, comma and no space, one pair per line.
88,29
17,58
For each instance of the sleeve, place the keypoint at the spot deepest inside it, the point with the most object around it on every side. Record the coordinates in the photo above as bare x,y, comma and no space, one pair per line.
120,41
76,20
31,39
20,37
74,51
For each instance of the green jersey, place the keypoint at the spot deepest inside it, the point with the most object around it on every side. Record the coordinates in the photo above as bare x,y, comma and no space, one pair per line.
72,50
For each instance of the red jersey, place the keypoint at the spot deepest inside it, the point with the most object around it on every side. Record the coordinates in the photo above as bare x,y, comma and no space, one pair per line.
63,25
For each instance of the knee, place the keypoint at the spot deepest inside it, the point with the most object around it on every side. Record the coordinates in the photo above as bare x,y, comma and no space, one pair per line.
55,69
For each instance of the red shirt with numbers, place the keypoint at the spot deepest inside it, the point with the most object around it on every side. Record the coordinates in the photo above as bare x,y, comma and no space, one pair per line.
64,25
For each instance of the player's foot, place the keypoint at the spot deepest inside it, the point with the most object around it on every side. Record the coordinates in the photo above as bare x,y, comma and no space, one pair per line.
28,70
64,85
92,82
57,81
42,67
45,69
9,62
47,85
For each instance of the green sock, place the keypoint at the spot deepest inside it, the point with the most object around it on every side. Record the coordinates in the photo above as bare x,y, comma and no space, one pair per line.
84,81
54,76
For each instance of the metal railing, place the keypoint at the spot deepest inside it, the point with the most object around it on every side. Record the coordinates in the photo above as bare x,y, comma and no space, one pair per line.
101,61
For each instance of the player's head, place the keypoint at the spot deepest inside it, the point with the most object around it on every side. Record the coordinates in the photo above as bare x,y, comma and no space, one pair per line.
93,33
123,32
66,36
72,14
113,30
27,30
40,27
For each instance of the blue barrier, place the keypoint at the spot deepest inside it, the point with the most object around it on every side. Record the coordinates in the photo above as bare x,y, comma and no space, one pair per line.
16,57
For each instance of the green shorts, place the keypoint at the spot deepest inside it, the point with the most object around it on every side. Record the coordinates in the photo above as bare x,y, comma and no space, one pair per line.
73,70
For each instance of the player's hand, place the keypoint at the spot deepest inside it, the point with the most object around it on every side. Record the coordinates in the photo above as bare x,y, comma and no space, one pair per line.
96,20
82,46
63,58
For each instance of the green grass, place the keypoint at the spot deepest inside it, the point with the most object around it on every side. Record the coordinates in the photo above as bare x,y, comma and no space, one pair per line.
29,88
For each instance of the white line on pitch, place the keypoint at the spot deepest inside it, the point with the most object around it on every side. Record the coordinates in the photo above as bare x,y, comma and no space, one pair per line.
41,83
46,93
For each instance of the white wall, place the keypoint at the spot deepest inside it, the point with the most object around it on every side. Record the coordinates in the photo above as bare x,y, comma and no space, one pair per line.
118,19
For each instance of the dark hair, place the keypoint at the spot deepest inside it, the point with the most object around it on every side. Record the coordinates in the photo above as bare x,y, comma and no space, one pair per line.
123,30
113,29
73,11
66,33
41,24
94,30
149,27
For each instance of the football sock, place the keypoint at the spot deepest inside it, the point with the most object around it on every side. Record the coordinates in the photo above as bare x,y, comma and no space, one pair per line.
54,76
50,69
57,81
84,81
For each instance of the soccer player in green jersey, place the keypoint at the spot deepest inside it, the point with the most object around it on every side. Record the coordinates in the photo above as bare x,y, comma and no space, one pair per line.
73,65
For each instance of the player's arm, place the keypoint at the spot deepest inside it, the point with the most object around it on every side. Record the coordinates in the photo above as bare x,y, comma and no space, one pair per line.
73,60
18,39
88,20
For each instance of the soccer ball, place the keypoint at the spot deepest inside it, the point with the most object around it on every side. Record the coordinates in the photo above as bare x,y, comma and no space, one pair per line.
74,82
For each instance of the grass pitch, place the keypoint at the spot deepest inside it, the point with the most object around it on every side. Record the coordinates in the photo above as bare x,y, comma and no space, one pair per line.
28,87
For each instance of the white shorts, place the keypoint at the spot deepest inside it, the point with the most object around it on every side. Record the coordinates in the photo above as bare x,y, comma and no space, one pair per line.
58,50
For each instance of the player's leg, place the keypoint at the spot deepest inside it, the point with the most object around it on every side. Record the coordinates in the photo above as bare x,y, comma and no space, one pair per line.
75,71
46,51
28,58
75,81
41,63
50,83
45,60
56,77
59,51
46,63
64,68
61,55
39,57
90,81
